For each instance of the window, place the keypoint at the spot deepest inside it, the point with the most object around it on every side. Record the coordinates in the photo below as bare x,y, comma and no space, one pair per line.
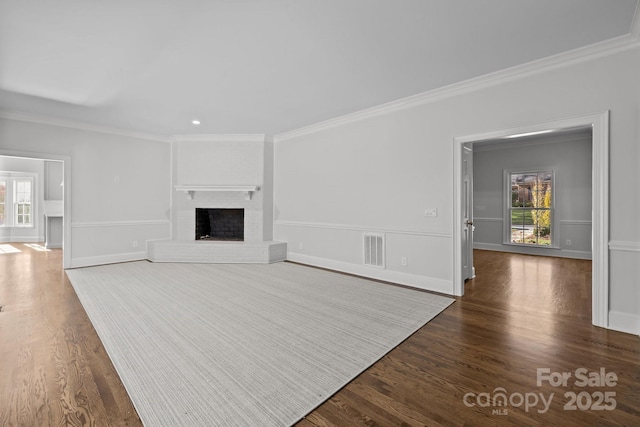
22,197
530,208
16,200
3,198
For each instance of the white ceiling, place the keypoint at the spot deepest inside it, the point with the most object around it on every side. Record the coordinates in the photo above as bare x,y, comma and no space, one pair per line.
269,66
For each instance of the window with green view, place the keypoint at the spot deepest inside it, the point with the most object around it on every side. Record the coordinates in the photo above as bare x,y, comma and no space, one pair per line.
531,207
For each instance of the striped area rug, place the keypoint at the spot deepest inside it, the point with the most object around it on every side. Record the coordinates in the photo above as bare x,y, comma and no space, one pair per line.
242,344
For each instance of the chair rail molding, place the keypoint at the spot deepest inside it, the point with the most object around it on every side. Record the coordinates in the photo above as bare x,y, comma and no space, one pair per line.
619,245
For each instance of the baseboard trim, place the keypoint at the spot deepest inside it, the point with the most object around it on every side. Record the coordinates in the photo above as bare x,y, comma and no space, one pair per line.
107,259
560,253
624,322
421,282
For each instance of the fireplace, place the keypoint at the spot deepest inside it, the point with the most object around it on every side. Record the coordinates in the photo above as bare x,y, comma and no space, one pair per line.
220,224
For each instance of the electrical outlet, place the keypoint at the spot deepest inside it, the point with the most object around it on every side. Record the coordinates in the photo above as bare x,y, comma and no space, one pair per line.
568,242
135,243
403,261
299,245
433,212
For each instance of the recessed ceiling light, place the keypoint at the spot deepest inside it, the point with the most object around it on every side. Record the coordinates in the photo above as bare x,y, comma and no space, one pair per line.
195,122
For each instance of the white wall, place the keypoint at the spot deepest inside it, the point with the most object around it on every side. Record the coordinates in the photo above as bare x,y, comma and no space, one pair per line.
380,171
219,160
119,189
17,167
53,180
569,155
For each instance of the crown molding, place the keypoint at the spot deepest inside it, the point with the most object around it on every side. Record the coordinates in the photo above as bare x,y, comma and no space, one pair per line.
249,137
565,59
43,120
50,121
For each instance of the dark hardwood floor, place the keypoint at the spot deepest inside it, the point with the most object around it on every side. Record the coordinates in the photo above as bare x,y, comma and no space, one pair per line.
520,314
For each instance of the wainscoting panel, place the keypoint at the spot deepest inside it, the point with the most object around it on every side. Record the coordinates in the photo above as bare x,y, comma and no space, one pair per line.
419,258
104,242
624,263
575,235
574,239
488,230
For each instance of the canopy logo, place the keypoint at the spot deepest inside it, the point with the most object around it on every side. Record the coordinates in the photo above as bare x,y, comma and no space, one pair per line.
599,400
501,400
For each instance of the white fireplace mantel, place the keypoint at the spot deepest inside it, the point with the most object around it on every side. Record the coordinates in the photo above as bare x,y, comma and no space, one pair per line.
190,190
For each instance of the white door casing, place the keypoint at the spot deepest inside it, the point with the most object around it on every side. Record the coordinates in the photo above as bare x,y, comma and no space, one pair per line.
599,124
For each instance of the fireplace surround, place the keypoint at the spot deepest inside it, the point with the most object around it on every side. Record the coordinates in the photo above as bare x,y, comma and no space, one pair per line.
216,178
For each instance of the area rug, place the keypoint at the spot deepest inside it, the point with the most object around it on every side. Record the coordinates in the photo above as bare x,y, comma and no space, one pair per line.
242,344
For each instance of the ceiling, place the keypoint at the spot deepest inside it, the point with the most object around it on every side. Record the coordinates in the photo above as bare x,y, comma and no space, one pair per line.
269,66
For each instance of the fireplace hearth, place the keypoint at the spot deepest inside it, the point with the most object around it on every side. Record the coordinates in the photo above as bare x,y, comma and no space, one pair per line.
220,224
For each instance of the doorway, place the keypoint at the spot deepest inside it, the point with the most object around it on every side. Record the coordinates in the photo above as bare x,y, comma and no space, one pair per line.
599,124
65,185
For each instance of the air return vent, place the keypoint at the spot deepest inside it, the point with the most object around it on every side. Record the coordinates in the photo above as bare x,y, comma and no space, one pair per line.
374,249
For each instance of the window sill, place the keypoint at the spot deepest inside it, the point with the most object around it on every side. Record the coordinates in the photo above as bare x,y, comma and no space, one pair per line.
525,245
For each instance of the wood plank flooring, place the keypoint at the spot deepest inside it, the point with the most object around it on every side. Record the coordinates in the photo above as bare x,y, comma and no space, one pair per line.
55,371
520,313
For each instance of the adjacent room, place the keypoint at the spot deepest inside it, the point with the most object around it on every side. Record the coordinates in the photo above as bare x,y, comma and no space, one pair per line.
31,201
328,213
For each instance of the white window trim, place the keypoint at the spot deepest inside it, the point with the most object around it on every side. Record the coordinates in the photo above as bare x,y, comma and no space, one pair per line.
506,235
31,181
6,198
10,207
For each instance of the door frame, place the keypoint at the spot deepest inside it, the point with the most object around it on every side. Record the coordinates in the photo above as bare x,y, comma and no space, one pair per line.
599,124
66,218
